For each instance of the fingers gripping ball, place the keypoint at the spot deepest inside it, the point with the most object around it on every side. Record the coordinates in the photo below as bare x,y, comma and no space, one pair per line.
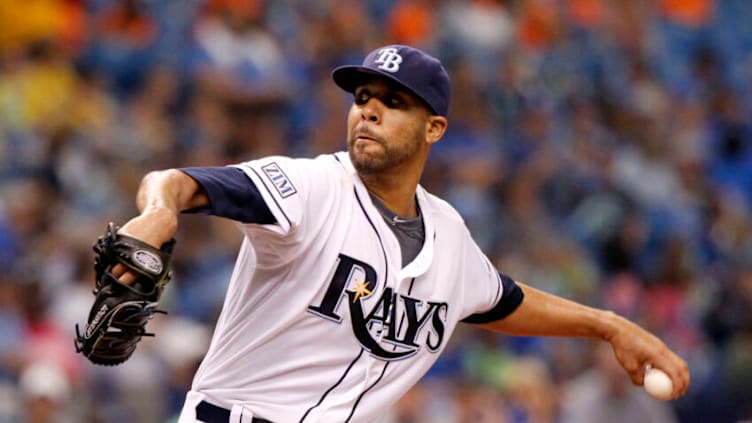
117,319
658,384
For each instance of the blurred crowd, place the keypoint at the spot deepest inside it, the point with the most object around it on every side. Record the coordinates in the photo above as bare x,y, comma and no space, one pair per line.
598,149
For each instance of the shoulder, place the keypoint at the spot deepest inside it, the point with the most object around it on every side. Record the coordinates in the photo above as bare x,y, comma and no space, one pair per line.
441,209
280,166
323,160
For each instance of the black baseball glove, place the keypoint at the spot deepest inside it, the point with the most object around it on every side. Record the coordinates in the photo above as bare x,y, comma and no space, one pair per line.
118,318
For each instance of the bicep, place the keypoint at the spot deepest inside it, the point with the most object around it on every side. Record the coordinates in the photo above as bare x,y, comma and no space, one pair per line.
489,295
227,192
510,299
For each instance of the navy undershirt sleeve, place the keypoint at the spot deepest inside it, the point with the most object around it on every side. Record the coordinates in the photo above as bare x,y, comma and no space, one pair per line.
510,299
231,194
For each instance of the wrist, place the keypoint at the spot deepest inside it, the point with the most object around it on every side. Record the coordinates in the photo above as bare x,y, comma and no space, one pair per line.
608,325
155,226
162,217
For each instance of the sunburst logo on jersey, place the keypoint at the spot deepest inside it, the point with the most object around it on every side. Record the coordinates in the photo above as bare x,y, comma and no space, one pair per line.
361,290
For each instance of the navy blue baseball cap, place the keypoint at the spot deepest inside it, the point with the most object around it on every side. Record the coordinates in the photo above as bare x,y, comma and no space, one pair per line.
415,70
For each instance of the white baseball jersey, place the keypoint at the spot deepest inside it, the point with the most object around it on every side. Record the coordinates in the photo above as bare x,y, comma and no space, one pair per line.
322,322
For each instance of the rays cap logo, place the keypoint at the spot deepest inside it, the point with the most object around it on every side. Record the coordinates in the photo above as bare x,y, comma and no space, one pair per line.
415,70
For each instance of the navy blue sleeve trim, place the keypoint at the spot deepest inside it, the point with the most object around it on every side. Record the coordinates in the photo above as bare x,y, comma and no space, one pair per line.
510,300
231,193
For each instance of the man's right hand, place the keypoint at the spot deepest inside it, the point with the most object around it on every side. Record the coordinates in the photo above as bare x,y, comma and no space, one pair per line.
154,226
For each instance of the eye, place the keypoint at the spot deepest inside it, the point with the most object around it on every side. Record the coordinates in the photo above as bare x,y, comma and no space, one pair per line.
394,101
362,97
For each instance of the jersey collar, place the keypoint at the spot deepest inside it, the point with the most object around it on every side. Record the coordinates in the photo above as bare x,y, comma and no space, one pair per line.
422,261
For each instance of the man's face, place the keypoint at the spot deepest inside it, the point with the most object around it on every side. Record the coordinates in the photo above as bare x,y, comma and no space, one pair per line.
386,126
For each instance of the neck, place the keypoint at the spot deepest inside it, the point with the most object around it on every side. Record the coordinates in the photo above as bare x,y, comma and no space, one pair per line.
397,192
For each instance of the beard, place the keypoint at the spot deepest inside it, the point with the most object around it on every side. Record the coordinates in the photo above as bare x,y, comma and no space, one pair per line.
368,160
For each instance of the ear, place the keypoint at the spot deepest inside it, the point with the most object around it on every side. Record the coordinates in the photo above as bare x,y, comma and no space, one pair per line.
436,126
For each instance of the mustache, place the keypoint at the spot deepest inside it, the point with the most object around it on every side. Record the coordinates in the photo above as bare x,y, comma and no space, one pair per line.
363,131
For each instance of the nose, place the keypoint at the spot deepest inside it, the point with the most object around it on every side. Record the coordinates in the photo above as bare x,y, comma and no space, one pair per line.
371,111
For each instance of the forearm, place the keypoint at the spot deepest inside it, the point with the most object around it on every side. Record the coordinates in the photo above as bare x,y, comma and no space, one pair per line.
169,189
161,197
544,314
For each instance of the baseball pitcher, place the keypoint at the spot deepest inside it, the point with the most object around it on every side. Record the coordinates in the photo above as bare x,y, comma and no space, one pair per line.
351,277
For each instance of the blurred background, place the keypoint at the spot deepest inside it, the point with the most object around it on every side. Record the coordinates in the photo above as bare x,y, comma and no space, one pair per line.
598,149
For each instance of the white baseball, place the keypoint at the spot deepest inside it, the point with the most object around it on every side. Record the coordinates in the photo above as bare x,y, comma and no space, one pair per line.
658,384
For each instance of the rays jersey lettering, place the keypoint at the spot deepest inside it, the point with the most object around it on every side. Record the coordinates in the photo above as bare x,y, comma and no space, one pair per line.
395,319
